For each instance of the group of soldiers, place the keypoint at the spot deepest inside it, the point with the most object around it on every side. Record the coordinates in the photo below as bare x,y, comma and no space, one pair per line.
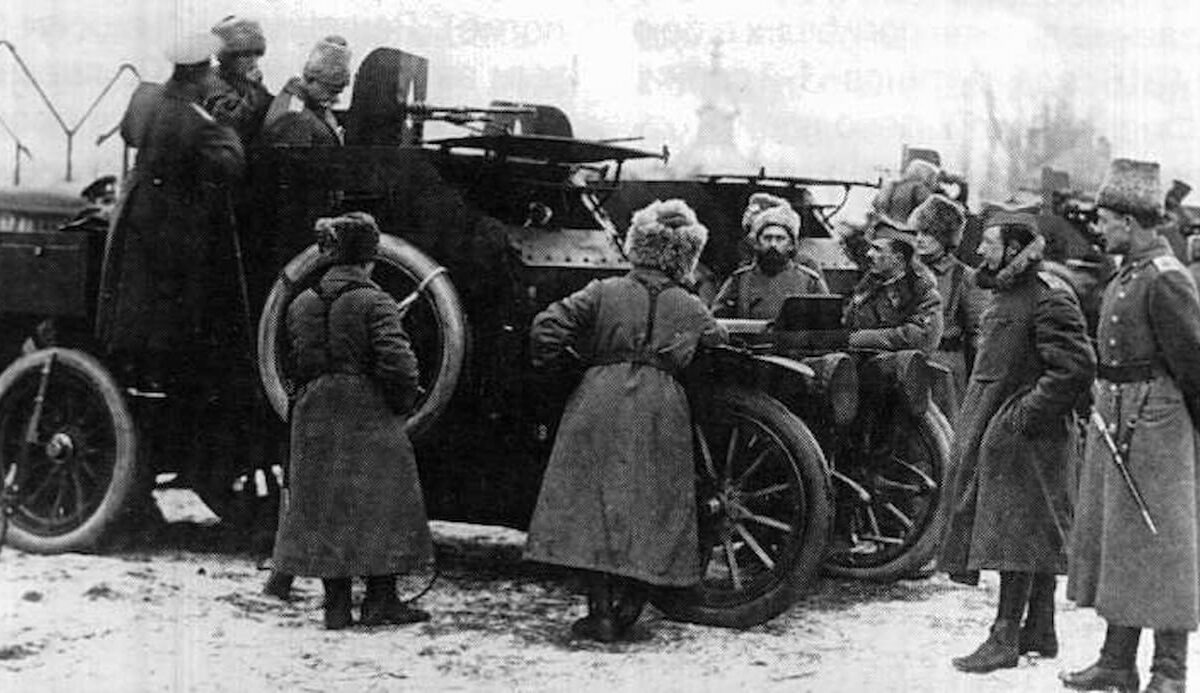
1117,514
1029,497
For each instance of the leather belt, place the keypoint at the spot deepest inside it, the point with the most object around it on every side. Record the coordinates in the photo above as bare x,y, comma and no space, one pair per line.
1129,372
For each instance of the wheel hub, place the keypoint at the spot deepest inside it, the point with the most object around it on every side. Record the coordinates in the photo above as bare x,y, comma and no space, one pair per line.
61,448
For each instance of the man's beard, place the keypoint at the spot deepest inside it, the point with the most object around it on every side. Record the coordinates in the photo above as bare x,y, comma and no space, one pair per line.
772,261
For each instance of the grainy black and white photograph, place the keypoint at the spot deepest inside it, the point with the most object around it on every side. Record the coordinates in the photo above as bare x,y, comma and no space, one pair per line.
551,345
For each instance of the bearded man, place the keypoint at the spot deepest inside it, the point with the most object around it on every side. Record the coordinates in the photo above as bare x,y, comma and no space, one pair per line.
1014,443
759,289
237,97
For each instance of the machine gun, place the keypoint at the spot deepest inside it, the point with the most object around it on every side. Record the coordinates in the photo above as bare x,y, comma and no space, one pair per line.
461,115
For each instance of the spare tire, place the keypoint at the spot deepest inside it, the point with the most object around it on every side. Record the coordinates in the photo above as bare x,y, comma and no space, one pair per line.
436,323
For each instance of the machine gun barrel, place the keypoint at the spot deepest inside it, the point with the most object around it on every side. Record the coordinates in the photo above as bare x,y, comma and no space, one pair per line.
461,114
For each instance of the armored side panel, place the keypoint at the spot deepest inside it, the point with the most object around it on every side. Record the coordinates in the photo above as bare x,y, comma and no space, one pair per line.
49,274
386,82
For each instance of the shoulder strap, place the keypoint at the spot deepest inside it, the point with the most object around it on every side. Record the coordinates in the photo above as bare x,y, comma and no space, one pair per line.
654,292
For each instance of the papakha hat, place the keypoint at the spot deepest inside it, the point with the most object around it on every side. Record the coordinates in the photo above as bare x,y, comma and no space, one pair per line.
757,203
940,217
329,62
666,235
240,35
193,49
782,216
1132,187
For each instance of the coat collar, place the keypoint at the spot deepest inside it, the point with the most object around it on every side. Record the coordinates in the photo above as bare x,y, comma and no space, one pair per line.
1158,248
651,276
1024,264
339,275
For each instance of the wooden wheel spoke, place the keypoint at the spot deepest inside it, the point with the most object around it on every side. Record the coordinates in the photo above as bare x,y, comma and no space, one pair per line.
80,498
28,500
744,513
57,505
753,467
765,491
754,546
705,452
735,574
882,539
898,514
731,451
926,480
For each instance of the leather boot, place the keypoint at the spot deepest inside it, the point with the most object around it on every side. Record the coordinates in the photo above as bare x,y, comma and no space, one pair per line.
382,607
279,585
629,604
999,651
598,624
1169,667
1116,668
1037,634
337,603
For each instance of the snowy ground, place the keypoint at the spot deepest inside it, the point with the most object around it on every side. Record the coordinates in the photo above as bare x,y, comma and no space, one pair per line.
174,617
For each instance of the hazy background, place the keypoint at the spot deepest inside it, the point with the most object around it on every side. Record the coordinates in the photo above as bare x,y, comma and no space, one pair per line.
820,88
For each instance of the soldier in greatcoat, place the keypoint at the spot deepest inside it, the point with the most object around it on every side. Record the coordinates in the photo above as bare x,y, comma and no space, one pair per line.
1148,345
302,114
938,223
618,497
895,305
758,290
237,97
356,505
1015,438
158,299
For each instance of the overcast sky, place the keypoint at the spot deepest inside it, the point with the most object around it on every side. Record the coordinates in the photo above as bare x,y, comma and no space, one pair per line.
830,87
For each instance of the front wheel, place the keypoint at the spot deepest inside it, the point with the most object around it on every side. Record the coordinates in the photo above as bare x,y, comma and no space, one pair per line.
66,426
764,510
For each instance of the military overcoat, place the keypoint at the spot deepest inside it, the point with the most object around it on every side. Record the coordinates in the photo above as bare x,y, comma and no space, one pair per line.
292,121
172,225
1149,319
618,495
1015,437
963,302
356,506
752,293
901,313
239,103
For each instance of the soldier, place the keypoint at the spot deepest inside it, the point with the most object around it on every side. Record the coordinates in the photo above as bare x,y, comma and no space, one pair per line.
938,224
896,304
617,499
761,201
160,259
898,198
1014,443
302,116
759,289
238,98
1149,376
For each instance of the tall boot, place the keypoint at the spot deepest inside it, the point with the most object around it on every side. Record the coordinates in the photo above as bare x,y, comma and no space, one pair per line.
598,624
1117,666
1168,672
1037,635
279,585
337,603
1001,650
382,607
631,599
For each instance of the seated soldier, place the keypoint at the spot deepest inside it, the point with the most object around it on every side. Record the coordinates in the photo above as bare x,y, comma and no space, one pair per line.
758,290
302,115
895,305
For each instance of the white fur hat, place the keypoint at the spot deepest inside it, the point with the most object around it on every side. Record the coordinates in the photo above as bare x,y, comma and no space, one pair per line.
666,236
329,62
193,49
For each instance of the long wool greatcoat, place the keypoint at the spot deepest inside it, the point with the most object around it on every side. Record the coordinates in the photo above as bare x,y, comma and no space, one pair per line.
356,506
293,121
172,225
963,302
618,495
1015,437
752,293
1150,314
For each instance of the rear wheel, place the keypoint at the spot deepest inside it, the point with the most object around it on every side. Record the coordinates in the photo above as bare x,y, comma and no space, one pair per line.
889,483
763,506
76,463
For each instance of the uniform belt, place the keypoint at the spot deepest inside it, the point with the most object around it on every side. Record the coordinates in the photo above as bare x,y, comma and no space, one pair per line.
1129,372
633,357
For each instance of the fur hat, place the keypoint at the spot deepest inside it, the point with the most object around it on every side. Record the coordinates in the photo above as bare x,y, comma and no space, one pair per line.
350,239
667,236
329,62
193,49
782,216
922,170
941,218
1132,187
240,35
1179,190
757,203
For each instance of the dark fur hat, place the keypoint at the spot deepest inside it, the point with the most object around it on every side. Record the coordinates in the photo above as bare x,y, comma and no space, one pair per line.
941,218
1132,187
350,239
666,236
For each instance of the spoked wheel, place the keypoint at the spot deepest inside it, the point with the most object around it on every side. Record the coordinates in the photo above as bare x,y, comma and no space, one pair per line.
889,484
764,510
65,424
